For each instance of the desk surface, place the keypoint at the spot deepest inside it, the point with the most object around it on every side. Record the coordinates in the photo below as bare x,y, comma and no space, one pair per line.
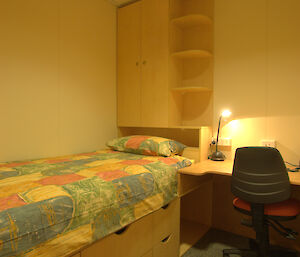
223,168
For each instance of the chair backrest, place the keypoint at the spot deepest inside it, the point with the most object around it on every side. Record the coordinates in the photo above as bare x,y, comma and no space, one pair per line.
259,175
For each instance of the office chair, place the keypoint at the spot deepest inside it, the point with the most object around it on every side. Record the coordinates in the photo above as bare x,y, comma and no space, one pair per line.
261,184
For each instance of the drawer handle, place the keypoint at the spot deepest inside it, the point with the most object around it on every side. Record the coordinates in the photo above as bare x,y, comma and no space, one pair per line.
165,240
121,231
165,206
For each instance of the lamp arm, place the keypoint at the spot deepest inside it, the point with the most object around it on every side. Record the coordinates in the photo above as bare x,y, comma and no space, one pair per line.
218,133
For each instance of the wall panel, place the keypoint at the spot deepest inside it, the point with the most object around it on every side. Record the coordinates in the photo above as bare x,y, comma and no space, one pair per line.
257,60
57,77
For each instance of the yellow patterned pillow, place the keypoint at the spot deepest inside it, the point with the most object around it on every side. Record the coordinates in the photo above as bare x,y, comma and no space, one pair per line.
147,145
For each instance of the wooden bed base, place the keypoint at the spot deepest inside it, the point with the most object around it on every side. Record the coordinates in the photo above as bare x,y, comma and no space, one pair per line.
155,235
158,234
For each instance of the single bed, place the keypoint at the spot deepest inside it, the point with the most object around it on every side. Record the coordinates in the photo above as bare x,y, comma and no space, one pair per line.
57,206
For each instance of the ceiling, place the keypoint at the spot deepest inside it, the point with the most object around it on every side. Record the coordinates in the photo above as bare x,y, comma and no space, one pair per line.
121,2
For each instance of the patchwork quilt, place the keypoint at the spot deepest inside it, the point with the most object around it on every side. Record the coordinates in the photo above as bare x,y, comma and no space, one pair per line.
53,207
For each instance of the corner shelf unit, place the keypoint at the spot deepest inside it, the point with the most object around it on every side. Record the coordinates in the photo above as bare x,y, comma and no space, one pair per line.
191,20
184,90
192,54
191,63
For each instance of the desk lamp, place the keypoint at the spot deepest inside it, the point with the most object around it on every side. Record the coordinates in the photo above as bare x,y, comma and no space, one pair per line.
217,155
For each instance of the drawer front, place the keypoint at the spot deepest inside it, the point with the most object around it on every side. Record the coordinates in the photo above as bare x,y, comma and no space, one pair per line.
168,247
166,221
101,248
134,241
148,254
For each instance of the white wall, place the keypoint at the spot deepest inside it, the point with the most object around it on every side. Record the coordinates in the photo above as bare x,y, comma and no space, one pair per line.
257,64
57,77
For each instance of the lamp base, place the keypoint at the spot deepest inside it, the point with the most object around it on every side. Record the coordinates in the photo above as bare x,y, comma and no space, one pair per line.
217,156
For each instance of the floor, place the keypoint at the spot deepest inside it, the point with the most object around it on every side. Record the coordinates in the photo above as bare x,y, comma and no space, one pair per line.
213,243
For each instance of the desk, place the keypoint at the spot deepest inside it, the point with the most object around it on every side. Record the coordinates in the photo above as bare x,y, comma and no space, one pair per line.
208,167
224,168
206,202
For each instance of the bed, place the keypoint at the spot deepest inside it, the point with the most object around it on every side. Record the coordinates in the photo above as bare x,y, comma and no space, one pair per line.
58,206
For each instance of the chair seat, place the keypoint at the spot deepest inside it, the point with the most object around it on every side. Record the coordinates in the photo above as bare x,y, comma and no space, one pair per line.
288,208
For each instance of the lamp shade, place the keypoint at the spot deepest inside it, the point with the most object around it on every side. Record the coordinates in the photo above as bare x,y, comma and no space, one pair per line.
226,113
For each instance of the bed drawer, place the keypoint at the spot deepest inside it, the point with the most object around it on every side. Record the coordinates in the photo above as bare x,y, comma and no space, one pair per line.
134,241
104,247
137,239
148,254
168,247
166,221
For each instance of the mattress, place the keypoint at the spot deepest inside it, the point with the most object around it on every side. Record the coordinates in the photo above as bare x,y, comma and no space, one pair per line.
53,207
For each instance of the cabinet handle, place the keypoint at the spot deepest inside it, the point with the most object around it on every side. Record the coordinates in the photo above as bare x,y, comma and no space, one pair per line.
165,206
165,240
145,62
121,231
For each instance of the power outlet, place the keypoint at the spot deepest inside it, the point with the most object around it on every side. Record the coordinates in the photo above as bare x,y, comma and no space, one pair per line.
223,141
268,143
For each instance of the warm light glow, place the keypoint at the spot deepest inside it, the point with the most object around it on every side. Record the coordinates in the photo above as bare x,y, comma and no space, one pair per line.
233,126
226,113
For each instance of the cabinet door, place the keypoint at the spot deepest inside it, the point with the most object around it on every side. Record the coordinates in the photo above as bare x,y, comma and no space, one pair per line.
129,66
155,35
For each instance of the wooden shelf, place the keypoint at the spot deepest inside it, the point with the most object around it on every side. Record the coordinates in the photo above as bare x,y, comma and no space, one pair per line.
192,54
186,127
184,90
162,127
190,233
191,20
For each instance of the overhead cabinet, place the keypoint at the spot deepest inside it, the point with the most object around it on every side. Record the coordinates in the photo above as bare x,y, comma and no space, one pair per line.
165,63
129,65
143,63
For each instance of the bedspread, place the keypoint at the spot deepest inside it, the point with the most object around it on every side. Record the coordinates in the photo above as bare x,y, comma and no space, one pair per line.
53,207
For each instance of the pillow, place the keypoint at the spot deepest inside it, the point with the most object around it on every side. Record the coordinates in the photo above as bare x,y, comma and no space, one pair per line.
182,162
146,145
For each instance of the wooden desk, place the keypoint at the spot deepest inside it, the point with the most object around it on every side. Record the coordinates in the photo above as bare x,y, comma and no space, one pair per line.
206,201
208,167
224,168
